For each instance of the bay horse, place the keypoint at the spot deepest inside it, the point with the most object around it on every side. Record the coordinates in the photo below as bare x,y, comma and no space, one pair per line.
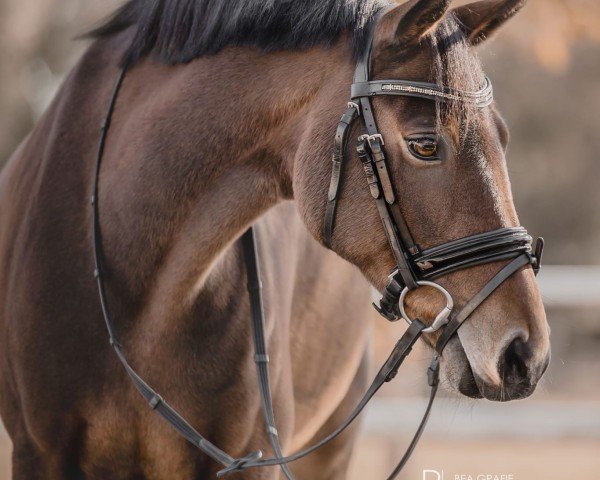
224,120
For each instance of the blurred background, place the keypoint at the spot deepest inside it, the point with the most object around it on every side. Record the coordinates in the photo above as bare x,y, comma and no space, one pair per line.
545,66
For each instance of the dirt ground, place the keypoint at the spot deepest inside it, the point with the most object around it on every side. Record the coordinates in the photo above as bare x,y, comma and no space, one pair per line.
556,459
562,459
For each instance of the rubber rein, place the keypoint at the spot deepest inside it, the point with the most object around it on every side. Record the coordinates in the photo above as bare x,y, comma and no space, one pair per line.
414,268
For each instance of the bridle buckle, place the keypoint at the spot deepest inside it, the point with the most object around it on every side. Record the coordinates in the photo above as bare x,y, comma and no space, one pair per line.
372,138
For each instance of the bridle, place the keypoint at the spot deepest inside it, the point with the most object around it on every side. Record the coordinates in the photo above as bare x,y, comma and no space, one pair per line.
414,268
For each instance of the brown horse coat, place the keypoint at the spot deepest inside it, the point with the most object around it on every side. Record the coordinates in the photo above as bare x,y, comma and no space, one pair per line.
196,153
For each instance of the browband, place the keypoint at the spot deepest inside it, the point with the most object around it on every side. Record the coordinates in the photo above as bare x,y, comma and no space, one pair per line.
430,91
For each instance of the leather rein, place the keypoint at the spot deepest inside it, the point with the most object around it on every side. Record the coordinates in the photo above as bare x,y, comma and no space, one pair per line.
414,268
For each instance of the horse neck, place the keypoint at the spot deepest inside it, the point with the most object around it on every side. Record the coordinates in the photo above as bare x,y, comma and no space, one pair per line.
197,152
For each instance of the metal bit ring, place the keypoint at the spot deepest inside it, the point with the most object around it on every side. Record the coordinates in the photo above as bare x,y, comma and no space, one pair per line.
442,318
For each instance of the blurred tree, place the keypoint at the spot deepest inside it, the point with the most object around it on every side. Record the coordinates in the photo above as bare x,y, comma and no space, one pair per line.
37,48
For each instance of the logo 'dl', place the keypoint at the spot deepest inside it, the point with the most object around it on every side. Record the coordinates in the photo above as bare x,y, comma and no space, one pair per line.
433,475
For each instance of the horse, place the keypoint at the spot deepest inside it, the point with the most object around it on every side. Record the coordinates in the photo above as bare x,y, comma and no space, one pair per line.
225,119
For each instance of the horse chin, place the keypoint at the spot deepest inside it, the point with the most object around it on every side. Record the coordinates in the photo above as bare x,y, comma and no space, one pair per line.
468,385
460,378
471,387
456,373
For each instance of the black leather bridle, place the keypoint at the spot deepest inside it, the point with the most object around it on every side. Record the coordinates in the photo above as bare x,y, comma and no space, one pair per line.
413,265
414,268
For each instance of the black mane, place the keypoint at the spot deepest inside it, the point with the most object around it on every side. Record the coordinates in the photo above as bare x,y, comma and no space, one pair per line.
177,31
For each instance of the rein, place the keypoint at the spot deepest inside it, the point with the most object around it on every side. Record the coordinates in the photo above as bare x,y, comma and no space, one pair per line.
414,268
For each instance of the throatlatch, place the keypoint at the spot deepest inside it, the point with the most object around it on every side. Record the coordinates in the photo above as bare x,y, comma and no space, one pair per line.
414,267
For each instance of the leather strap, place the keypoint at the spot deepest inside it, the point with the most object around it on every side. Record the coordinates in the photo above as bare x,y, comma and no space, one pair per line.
365,160
433,374
337,164
155,401
403,267
372,144
386,373
261,358
457,320
407,240
376,146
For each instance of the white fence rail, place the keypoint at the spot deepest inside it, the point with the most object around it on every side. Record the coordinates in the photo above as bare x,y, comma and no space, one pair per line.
570,286
462,418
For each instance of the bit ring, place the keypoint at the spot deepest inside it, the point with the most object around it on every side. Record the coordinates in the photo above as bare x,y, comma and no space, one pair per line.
442,318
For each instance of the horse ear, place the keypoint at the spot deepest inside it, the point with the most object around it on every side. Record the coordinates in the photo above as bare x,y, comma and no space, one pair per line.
480,19
408,23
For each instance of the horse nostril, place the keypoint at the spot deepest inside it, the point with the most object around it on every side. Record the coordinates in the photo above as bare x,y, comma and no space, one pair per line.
513,365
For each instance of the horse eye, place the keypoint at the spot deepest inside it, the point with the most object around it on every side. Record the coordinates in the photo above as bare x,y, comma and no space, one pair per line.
423,148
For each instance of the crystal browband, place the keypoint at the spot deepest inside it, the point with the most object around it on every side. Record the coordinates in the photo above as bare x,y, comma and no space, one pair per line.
481,98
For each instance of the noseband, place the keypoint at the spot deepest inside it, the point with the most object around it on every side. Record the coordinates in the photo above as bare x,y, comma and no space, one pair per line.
414,268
